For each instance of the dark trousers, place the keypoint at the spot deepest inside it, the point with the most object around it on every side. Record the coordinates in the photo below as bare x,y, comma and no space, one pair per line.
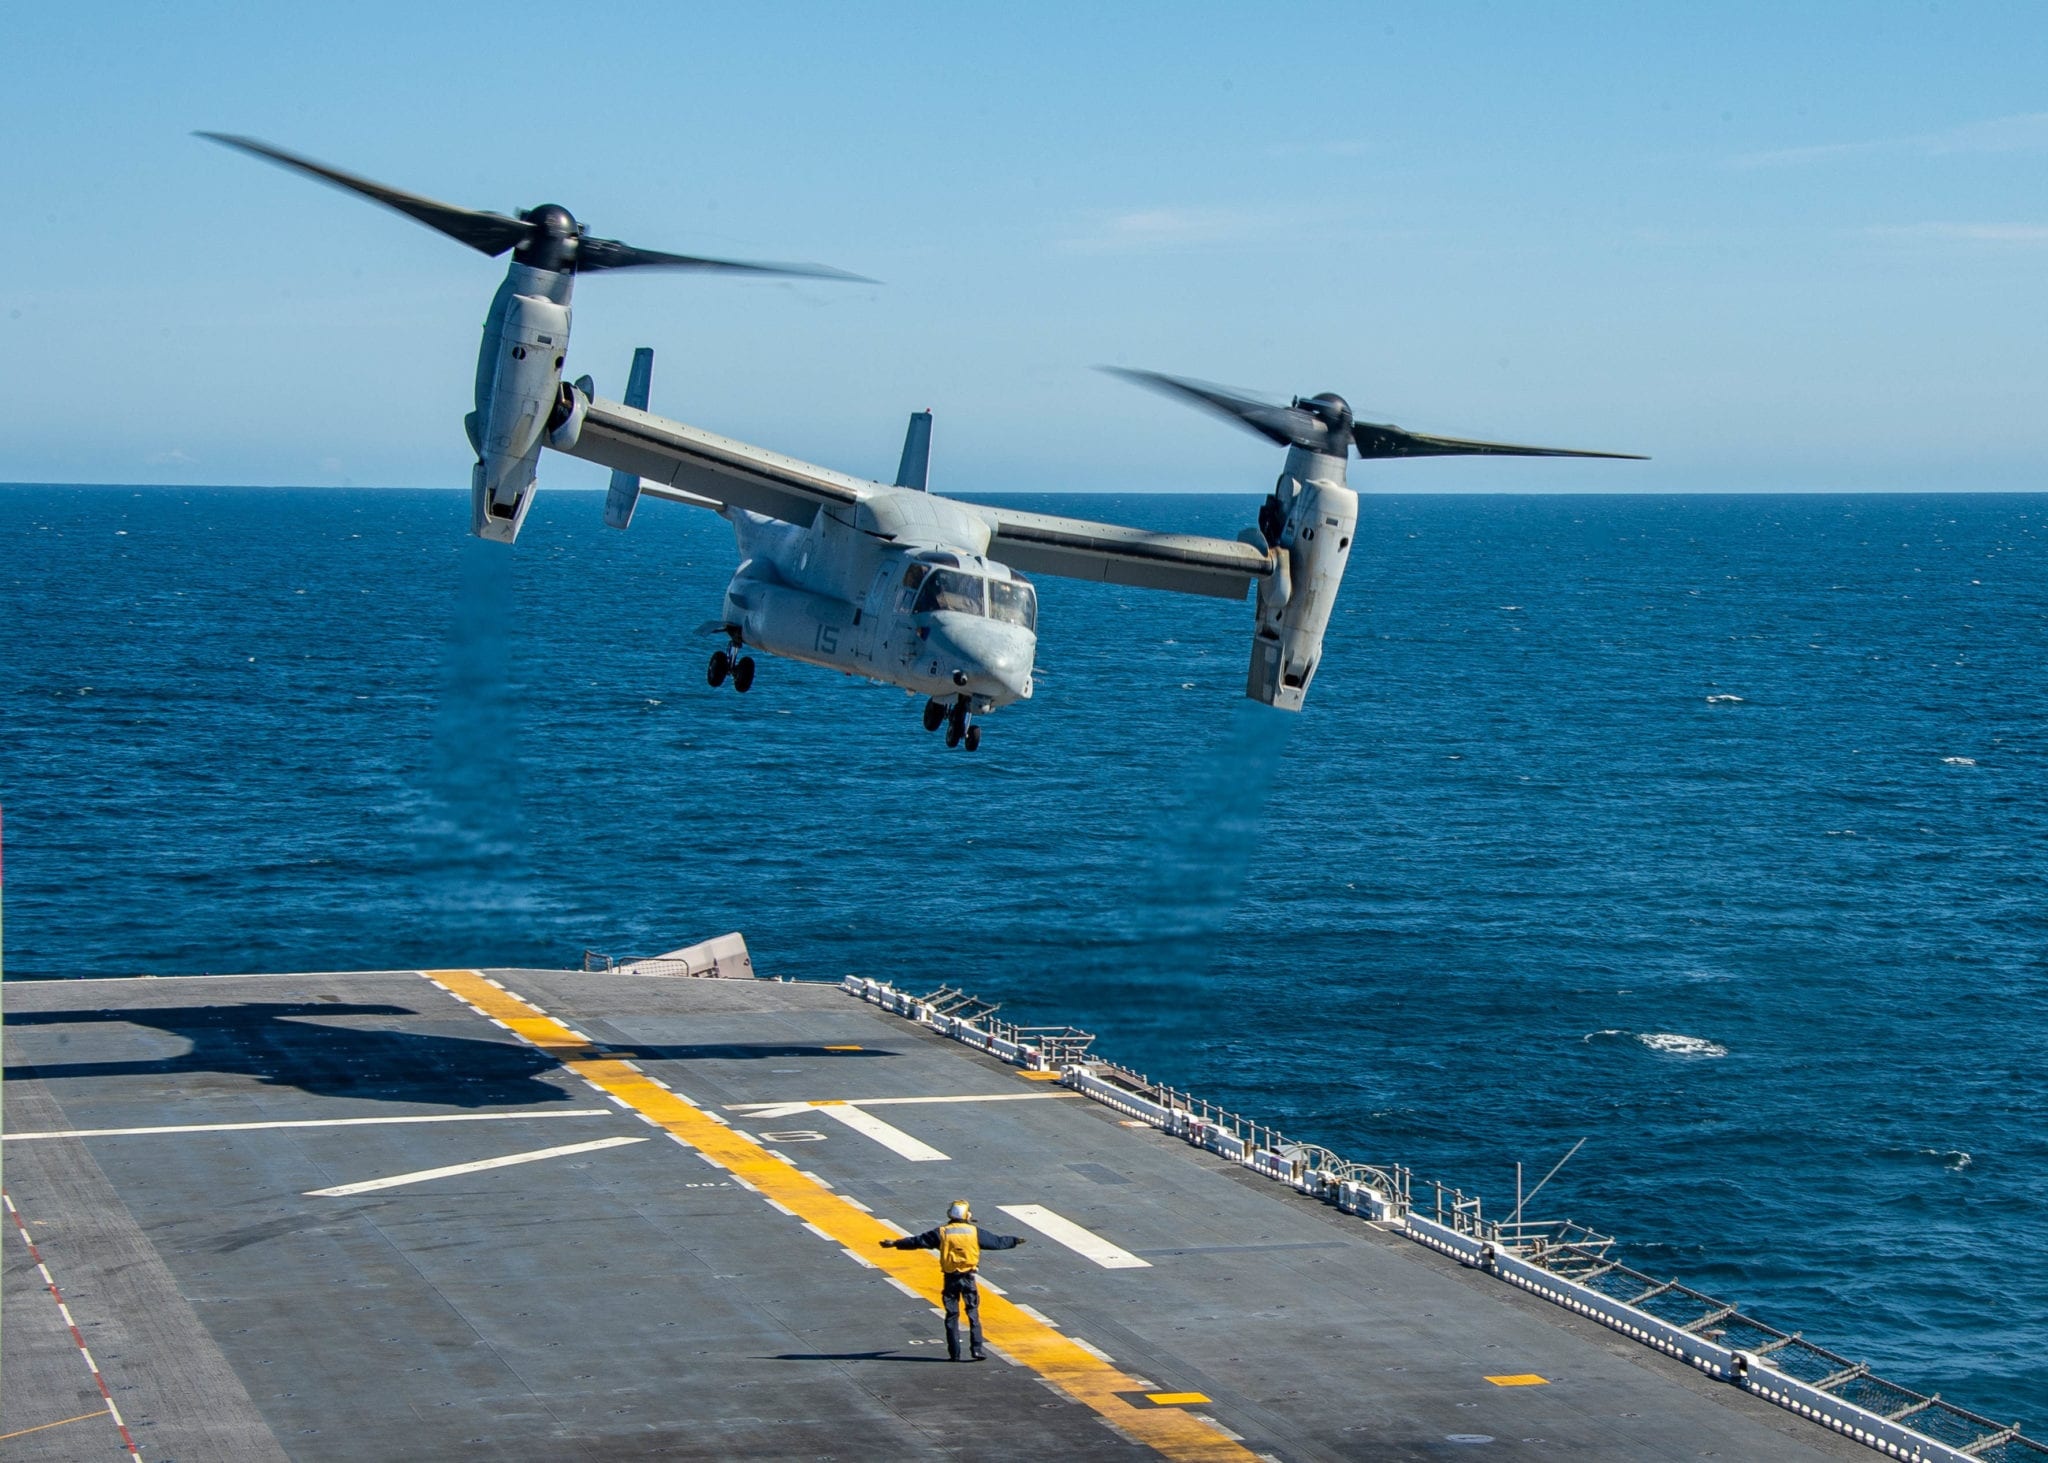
957,1287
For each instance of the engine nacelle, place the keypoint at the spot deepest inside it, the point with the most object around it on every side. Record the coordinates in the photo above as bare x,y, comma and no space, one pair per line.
1315,516
518,383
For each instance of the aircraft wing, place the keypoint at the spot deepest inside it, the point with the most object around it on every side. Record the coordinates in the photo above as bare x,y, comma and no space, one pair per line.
688,465
1078,548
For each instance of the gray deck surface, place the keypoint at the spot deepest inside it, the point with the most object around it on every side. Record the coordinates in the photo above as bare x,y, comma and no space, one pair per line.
634,1302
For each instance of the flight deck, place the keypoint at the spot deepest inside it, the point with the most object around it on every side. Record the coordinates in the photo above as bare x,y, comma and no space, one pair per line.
529,1214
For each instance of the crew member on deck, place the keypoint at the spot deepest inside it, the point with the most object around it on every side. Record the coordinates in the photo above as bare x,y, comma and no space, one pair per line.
959,1242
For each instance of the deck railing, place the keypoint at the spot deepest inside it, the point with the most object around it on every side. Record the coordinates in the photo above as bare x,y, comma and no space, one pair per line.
1560,1260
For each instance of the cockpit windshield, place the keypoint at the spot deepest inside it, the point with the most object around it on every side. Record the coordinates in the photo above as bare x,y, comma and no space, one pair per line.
1014,602
949,589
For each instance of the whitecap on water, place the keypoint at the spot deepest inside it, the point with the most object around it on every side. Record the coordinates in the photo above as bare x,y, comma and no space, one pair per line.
1960,761
1953,1159
1681,1046
1724,701
1668,1042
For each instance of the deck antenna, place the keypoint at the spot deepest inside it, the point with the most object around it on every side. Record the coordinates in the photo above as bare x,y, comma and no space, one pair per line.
1519,1200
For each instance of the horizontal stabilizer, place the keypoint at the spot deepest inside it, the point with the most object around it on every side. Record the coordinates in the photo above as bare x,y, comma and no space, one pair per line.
624,494
678,495
915,470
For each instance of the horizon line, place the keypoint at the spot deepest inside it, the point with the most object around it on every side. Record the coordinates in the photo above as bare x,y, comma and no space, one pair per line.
1780,492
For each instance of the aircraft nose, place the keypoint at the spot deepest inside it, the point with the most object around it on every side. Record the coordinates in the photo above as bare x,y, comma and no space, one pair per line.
994,658
1011,668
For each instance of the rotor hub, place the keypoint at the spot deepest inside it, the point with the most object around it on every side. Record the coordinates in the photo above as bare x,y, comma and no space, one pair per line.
1333,411
552,242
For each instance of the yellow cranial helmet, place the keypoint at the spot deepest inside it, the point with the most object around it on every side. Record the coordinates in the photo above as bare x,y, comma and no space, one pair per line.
958,1210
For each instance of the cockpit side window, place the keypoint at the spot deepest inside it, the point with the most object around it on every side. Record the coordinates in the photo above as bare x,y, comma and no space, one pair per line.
1014,602
913,576
948,589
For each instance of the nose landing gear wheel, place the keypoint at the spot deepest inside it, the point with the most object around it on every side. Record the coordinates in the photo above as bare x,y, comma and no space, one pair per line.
721,666
743,673
933,715
974,739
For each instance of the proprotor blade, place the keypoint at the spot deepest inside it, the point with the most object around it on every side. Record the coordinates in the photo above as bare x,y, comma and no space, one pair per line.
488,233
594,253
1287,425
1377,439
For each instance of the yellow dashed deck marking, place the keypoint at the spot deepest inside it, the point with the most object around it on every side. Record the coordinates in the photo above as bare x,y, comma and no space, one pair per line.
1176,1399
1040,1076
1059,1359
843,1048
1520,1379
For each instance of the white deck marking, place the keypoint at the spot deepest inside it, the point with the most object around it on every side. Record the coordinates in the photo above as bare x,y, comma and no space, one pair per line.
785,1109
1083,1242
769,1109
890,1137
451,1117
421,1176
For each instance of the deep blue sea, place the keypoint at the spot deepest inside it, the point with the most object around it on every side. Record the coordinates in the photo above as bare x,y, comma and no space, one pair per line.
1712,830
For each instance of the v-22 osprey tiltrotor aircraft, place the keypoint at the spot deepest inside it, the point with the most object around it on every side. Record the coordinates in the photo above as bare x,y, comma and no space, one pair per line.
884,580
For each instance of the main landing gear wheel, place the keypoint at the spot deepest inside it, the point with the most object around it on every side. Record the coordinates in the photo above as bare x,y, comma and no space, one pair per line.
743,673
934,713
721,666
953,733
974,739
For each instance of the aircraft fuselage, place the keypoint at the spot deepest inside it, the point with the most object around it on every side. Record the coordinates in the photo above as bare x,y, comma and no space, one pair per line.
898,590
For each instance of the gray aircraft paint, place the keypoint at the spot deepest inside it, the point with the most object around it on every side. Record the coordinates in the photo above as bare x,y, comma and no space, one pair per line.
1294,602
831,565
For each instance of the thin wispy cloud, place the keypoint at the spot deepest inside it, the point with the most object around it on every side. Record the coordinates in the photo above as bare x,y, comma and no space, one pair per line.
1161,230
1332,147
2021,235
2022,132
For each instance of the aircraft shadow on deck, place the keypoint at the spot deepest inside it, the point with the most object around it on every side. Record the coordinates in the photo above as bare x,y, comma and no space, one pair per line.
269,1042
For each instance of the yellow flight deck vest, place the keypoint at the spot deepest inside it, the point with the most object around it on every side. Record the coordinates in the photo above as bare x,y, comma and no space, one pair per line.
959,1248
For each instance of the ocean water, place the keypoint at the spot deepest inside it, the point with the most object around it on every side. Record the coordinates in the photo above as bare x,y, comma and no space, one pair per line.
1711,830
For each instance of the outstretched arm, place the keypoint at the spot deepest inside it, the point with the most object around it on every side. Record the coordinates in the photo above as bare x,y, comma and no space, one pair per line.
929,1240
999,1241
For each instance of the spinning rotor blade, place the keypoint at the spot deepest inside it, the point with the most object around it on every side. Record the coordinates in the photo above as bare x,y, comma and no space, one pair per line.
595,253
1376,439
1286,425
1324,424
549,236
487,233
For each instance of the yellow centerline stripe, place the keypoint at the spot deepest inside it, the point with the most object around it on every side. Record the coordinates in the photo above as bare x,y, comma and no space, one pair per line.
1058,1359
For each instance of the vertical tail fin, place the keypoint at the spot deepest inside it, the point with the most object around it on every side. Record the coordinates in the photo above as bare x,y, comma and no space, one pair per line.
624,494
915,470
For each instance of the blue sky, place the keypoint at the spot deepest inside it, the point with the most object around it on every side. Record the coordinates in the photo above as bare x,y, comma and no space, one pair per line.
1776,246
